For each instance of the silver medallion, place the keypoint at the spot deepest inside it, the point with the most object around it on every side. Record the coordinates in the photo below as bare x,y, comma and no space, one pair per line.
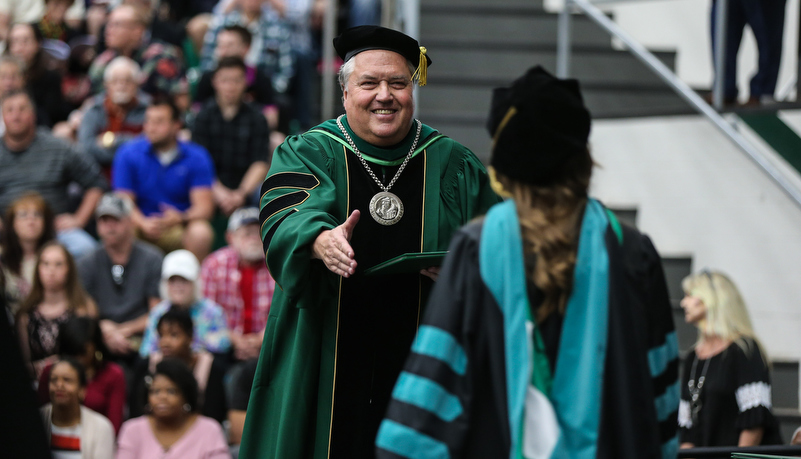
386,208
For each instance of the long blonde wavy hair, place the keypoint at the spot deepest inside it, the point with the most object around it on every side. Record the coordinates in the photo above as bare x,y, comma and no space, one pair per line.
550,221
726,314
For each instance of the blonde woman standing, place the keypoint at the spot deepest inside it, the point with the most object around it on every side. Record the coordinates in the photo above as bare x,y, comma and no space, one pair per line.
725,391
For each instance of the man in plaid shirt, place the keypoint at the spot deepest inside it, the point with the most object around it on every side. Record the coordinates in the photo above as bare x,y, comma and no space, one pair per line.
271,48
236,278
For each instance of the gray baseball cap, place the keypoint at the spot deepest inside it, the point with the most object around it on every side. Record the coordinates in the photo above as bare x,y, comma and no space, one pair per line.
114,205
242,217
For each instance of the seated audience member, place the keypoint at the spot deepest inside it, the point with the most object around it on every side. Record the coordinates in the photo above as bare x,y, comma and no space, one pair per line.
80,338
161,63
196,29
179,282
12,74
175,331
73,429
236,136
270,49
34,160
236,278
32,11
12,78
76,85
163,23
237,392
56,295
172,429
96,18
25,43
305,18
29,224
169,181
122,276
53,24
234,41
117,115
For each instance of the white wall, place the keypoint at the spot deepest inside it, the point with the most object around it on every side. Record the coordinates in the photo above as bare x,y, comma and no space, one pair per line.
698,194
683,26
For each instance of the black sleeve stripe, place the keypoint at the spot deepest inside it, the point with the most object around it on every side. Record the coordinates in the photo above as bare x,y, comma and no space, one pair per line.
269,236
291,180
669,427
433,369
282,203
667,378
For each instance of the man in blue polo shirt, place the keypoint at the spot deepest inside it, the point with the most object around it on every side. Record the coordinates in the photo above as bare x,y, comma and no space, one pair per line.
170,182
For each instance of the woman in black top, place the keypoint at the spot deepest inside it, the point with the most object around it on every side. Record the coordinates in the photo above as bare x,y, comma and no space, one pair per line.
725,391
25,43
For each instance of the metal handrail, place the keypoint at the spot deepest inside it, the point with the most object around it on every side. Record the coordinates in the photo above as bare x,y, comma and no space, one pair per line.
328,83
670,78
726,451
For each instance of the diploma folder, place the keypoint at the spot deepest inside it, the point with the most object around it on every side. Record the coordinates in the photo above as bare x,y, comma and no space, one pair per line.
407,263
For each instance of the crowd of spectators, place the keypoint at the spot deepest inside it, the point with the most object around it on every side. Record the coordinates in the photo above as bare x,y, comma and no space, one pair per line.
130,132
112,336
134,136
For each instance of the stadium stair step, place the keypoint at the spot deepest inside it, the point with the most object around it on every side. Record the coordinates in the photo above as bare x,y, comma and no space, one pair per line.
478,45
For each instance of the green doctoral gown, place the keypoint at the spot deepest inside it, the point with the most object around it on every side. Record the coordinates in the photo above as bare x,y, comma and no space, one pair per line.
334,347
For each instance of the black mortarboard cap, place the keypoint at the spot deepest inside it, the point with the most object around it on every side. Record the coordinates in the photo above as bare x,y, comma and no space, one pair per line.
538,125
363,38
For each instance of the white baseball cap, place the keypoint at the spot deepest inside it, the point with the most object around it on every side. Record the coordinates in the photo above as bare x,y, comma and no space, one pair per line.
181,263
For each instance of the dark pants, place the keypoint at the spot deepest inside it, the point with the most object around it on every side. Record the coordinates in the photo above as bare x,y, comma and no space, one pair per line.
766,20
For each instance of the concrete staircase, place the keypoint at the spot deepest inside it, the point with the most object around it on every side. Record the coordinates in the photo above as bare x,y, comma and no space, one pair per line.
477,45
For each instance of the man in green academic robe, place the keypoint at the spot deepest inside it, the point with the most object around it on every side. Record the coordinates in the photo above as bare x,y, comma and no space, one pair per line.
345,196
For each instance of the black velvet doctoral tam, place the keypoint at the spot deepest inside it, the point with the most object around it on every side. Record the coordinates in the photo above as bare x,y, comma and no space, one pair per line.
538,125
363,38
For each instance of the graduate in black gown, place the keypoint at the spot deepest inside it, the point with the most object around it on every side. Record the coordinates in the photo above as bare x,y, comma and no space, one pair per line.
22,433
549,331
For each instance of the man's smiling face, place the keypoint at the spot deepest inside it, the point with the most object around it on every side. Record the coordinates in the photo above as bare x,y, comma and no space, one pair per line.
378,97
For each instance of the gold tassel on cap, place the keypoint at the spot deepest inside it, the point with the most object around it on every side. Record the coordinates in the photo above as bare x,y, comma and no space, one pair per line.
422,68
509,114
496,185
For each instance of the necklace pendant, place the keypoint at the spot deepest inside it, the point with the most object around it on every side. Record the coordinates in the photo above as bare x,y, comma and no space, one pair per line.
386,208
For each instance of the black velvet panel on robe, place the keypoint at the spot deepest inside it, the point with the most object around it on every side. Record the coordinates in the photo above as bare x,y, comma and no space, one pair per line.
378,315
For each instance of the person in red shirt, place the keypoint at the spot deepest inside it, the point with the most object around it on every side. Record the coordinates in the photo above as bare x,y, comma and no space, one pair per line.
236,278
80,338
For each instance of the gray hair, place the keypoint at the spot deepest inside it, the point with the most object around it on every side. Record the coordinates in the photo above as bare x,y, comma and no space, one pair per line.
122,62
346,70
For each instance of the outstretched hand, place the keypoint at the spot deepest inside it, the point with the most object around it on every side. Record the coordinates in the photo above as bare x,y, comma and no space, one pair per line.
333,247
